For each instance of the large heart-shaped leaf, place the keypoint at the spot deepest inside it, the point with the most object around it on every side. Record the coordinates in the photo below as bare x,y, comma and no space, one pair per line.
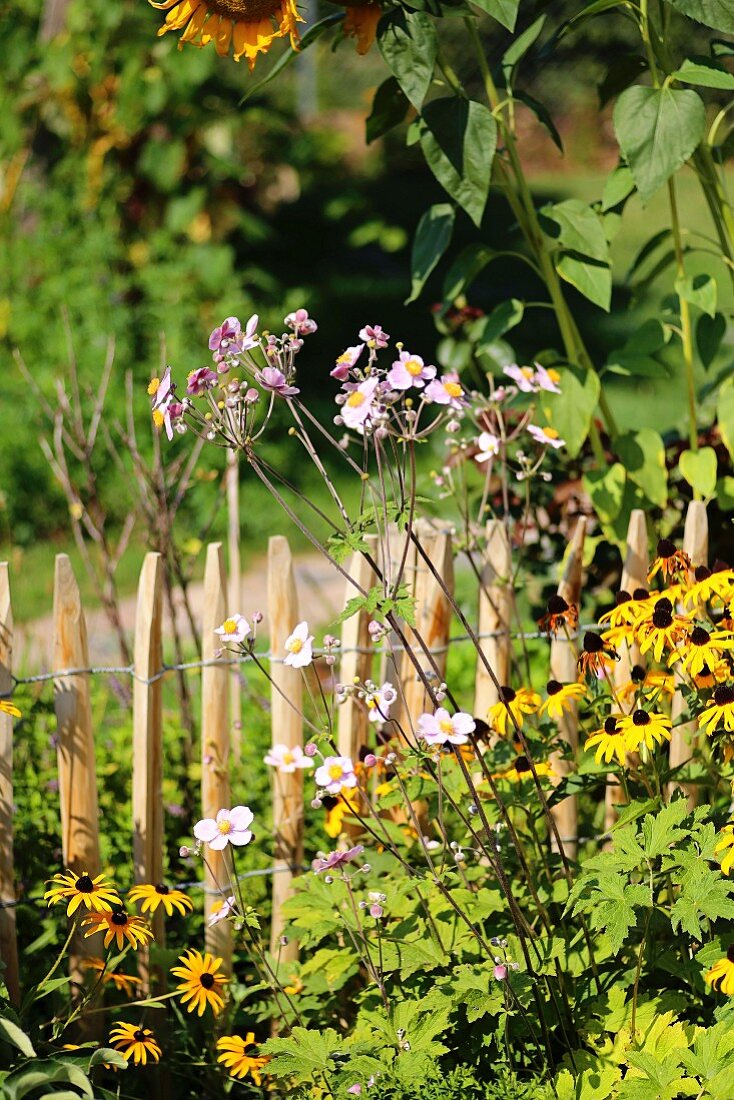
643,455
606,489
699,470
432,238
718,14
389,108
504,11
658,129
570,411
459,138
705,72
725,415
409,44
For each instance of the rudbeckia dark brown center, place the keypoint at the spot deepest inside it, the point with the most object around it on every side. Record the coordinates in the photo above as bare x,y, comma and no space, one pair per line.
640,594
140,1036
719,566
119,916
161,888
622,597
724,696
207,980
662,616
699,636
553,687
507,694
641,718
610,726
730,953
666,548
85,884
557,605
522,764
637,675
701,573
592,642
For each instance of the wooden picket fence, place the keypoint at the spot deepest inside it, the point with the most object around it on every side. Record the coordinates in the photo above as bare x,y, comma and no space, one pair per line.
79,814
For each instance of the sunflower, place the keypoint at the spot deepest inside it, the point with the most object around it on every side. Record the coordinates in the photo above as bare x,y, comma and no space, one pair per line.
660,630
124,983
239,1063
559,615
609,741
120,926
96,893
721,974
669,561
360,22
202,981
646,680
512,705
643,728
135,1042
596,655
249,26
6,707
561,697
702,649
153,896
727,841
720,711
710,584
520,770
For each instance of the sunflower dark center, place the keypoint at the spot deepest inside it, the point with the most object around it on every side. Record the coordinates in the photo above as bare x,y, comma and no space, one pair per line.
724,695
637,675
641,718
592,642
207,980
522,764
610,725
119,916
622,597
701,573
557,605
699,636
553,687
719,566
730,953
247,11
640,594
161,888
140,1036
85,884
507,694
666,548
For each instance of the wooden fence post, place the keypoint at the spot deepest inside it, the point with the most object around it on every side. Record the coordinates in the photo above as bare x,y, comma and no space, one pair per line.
634,575
356,657
148,738
215,743
432,613
234,589
75,749
682,742
8,938
287,729
563,667
495,614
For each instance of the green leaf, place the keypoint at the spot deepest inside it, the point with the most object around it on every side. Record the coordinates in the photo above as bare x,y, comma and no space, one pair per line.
576,226
432,238
658,129
643,455
606,489
570,411
712,13
543,116
504,11
704,895
592,278
503,317
661,830
619,185
622,72
40,1073
699,290
409,45
725,494
470,262
710,331
303,1054
725,415
705,72
661,1080
389,108
520,47
459,138
699,470
110,1057
17,1037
